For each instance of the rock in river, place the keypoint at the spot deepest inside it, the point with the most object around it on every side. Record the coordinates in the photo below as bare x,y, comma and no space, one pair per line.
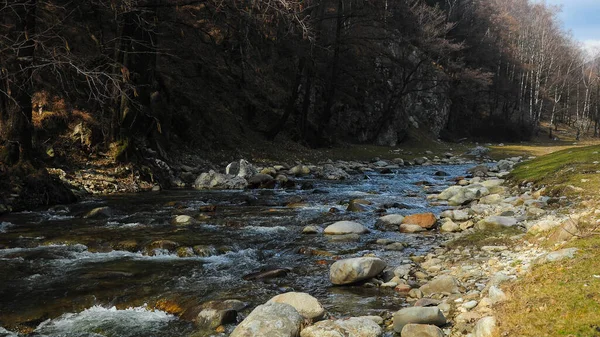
215,313
351,327
425,220
306,305
270,320
345,227
355,269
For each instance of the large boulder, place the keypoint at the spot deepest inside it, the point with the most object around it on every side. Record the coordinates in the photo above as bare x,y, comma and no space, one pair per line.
421,330
443,284
214,180
270,320
306,305
345,227
351,327
418,315
425,220
355,269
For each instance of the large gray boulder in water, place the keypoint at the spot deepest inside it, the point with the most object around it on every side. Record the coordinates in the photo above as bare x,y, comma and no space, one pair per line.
270,320
354,270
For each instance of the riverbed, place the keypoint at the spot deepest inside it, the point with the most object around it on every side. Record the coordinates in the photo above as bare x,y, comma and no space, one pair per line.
134,272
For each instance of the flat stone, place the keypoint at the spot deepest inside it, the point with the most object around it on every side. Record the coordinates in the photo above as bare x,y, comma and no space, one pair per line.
443,284
351,327
418,315
496,221
421,330
410,228
345,227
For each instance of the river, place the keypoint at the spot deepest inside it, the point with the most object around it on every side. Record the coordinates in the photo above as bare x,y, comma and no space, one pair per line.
62,274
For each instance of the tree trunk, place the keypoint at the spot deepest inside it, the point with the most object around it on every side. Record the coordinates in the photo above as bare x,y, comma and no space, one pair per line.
291,104
326,116
20,126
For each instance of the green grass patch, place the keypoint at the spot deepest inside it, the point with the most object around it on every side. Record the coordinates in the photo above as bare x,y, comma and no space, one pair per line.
557,299
578,167
501,236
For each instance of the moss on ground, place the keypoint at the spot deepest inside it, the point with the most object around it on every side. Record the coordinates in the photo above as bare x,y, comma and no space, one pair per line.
569,171
501,236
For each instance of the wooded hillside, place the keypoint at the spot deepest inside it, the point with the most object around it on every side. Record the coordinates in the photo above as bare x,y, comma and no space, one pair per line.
207,73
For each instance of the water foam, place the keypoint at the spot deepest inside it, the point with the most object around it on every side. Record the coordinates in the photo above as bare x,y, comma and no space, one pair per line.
4,226
101,321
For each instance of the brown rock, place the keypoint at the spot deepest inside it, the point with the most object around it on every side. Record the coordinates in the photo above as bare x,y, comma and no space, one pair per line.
425,220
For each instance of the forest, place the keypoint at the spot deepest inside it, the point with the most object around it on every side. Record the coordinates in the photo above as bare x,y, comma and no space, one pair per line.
202,72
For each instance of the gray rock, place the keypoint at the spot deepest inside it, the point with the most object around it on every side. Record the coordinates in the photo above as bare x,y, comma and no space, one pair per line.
306,305
345,227
246,170
98,213
396,246
449,226
496,295
505,165
479,151
351,327
355,269
214,180
215,313
300,170
485,327
261,180
389,221
496,221
311,230
403,271
563,254
443,284
270,320
183,220
421,330
418,315
409,228
330,172
455,215
543,226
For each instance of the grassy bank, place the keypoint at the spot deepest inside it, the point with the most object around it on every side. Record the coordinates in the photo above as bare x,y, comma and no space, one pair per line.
561,299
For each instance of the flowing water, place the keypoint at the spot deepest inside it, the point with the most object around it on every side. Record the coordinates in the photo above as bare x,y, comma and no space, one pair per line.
62,274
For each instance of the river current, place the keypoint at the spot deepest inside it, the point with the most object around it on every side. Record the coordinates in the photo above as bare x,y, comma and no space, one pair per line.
133,273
